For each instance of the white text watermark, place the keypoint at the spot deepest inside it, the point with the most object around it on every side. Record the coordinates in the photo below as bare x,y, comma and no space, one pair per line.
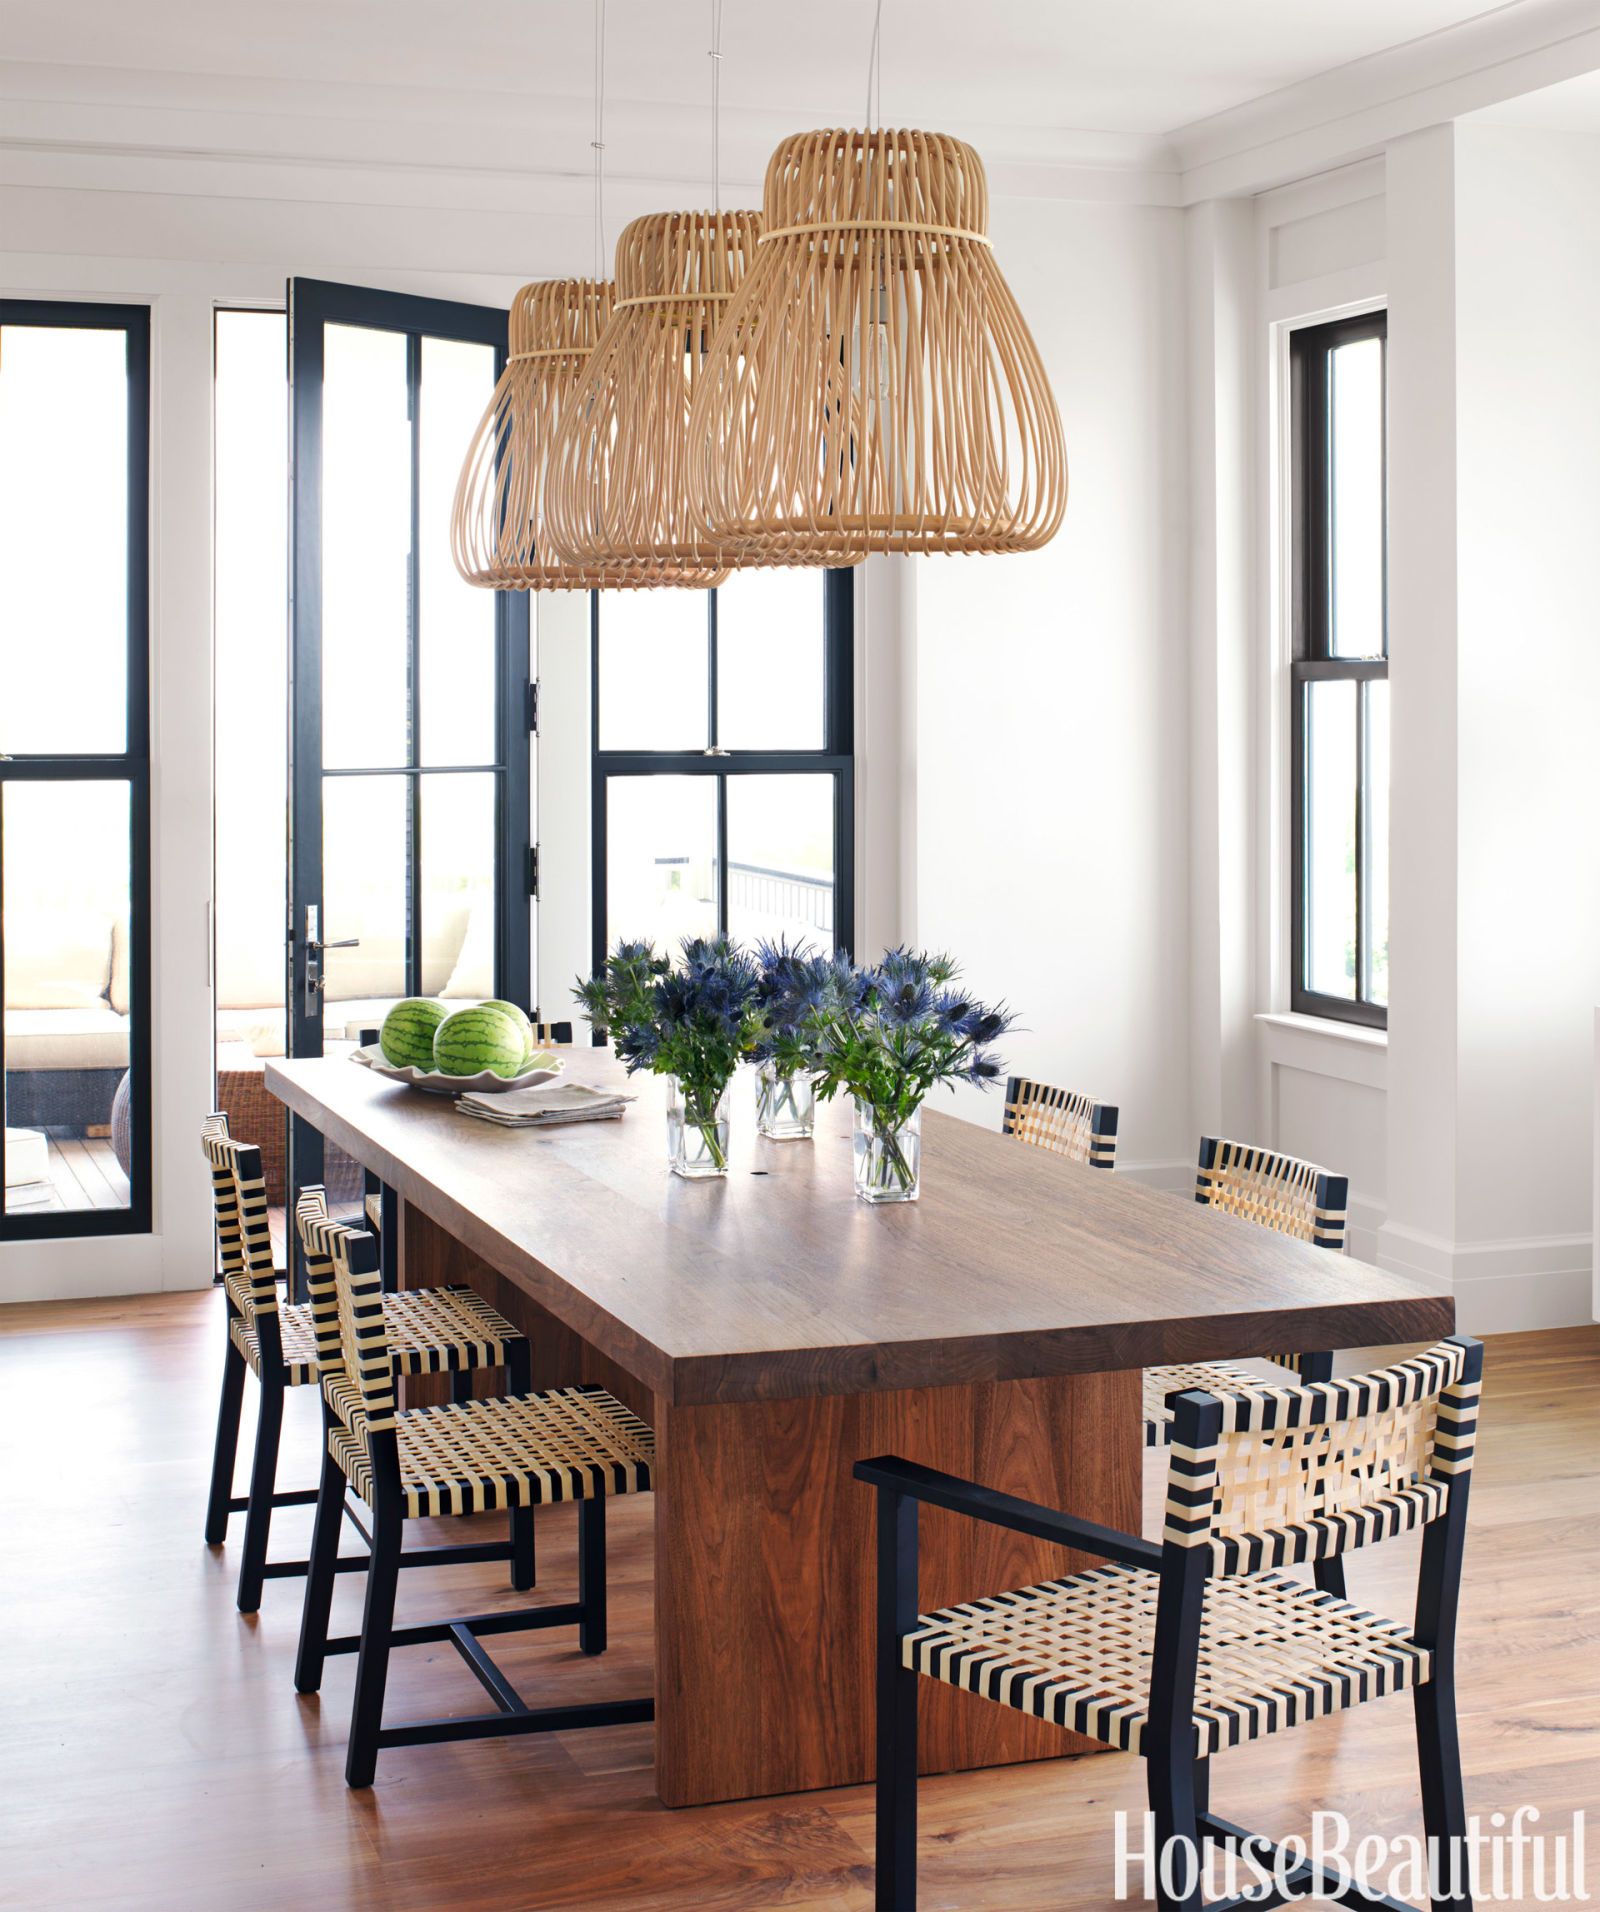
1502,1860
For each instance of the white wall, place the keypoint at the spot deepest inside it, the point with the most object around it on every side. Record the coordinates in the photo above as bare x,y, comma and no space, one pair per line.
1051,740
1495,929
1527,266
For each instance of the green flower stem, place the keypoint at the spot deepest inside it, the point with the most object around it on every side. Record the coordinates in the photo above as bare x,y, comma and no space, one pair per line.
891,1155
896,1159
696,1105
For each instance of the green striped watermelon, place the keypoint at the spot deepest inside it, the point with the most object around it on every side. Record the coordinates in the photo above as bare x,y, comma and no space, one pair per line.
470,1040
408,1029
517,1017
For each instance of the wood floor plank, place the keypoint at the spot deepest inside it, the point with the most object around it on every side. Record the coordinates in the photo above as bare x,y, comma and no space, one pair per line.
155,1755
94,1185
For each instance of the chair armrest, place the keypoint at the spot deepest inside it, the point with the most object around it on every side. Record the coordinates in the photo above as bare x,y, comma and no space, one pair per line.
1005,1510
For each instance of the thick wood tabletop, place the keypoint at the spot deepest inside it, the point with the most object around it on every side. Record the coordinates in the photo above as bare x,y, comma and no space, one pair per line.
777,1283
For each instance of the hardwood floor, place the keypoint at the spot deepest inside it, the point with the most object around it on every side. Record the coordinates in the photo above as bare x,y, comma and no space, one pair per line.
154,1753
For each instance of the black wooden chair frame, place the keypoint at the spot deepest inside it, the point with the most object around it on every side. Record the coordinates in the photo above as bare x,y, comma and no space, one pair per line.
1178,1780
379,1635
264,1495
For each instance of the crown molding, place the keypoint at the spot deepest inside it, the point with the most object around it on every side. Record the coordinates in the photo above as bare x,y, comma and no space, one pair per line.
1352,112
61,114
80,128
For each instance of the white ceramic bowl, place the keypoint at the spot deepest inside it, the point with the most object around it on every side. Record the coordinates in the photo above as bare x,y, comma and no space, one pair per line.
542,1066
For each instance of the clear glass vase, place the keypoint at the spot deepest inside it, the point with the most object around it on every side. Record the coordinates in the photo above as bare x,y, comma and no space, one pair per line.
786,1105
888,1155
697,1131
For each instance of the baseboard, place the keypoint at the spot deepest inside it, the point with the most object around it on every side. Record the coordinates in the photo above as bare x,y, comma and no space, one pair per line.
1175,1178
86,1268
1364,1224
1501,1287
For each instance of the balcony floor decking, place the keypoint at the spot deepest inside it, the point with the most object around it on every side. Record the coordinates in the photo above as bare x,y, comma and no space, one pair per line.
83,1173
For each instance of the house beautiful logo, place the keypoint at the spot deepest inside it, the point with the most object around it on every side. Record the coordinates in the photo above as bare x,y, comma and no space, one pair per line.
1501,1861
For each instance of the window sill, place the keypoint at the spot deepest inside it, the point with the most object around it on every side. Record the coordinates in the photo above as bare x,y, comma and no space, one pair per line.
1319,1045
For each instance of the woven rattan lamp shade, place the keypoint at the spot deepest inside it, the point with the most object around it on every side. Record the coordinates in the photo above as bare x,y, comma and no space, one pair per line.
874,386
615,493
497,531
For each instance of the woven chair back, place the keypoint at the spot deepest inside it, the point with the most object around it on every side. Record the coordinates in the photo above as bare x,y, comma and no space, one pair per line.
1277,1191
1301,1473
1075,1126
244,1234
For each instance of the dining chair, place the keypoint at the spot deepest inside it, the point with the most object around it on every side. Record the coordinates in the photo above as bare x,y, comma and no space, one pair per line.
1057,1119
1181,1651
1278,1192
1294,1198
433,1330
518,1452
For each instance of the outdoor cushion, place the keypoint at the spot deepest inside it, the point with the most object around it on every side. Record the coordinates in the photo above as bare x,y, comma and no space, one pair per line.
62,963
84,1038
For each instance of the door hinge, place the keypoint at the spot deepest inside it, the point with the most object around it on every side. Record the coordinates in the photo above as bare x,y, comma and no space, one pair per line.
533,708
533,870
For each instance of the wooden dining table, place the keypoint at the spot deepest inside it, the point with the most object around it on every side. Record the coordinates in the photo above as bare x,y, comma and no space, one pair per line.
774,1330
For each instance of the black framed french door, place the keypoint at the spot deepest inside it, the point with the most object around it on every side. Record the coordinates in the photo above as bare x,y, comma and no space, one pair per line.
75,1039
410,710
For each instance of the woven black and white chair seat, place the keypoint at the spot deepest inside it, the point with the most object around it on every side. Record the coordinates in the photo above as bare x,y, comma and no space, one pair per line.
487,1456
431,1331
1079,1652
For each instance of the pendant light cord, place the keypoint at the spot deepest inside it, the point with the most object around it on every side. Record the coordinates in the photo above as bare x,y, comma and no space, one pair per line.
875,72
598,143
716,105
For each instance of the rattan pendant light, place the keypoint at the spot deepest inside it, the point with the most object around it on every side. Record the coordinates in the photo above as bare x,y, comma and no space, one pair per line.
874,386
616,489
497,527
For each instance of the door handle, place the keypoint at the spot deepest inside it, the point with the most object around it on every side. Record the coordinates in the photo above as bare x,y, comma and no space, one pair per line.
315,981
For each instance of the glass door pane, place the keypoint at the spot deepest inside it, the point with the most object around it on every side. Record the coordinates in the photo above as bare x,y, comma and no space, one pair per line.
661,859
70,1115
770,660
458,888
1375,878
1330,838
457,620
654,670
251,637
780,859
366,548
1356,499
63,571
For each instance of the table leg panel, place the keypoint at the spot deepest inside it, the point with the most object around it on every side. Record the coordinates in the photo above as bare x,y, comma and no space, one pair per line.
764,1569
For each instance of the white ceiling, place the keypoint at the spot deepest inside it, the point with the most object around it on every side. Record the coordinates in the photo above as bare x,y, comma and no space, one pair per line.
1138,67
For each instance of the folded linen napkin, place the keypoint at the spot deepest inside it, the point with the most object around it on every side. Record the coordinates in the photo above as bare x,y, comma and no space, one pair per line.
545,1106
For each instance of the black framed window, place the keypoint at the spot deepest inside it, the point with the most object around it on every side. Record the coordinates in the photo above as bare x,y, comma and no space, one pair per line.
74,769
723,751
1340,722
